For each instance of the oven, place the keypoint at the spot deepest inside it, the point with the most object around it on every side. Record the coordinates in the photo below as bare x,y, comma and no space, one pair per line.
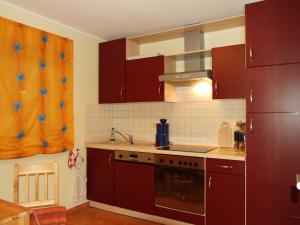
179,183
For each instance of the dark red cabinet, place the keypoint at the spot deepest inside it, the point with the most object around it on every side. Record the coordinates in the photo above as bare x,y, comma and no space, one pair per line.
273,88
273,120
225,193
228,64
142,82
134,186
112,71
100,175
273,160
272,32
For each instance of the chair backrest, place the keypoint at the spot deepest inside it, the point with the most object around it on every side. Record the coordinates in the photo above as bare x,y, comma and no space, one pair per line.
36,171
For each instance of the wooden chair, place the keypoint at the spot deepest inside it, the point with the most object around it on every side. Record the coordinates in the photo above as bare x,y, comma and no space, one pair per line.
36,170
46,210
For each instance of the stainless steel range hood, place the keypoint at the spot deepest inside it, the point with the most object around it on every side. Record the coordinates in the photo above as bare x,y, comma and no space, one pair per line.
193,64
186,78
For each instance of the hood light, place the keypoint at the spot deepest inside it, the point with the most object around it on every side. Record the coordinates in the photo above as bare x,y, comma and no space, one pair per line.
203,87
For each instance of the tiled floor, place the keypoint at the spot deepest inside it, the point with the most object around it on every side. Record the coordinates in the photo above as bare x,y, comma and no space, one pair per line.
92,216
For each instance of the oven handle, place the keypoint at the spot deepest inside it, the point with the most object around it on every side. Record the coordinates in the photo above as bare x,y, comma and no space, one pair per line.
175,167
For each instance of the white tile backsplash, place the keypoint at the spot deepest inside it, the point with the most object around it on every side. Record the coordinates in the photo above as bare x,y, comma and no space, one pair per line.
98,121
194,118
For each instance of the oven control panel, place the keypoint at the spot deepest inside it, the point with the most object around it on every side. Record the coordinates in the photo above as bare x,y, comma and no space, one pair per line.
139,157
179,161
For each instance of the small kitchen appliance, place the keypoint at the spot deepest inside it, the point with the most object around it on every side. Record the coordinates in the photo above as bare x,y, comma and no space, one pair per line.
162,134
225,135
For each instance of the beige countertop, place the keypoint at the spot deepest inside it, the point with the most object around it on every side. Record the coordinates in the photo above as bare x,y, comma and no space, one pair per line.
143,146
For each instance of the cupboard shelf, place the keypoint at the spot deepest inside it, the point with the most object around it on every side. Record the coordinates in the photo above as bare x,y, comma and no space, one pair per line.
202,53
209,26
133,43
178,56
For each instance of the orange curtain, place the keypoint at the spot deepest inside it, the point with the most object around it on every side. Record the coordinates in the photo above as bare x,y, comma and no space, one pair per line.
36,91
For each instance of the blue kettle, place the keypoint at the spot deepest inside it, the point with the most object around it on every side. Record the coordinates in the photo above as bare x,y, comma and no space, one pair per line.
162,134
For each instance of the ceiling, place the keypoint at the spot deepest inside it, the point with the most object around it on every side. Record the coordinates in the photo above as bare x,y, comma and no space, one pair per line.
112,19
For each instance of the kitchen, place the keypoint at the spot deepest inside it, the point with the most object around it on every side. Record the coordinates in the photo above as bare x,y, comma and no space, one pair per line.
192,118
161,134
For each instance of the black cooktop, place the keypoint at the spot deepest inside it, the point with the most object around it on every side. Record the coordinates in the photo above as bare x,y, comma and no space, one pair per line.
189,148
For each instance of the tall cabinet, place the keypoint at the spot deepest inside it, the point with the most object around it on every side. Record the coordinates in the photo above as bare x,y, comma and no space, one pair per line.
273,93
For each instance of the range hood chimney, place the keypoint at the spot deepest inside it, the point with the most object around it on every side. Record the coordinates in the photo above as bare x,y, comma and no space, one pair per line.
194,64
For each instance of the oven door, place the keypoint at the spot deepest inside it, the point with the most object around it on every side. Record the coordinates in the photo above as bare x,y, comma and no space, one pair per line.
180,189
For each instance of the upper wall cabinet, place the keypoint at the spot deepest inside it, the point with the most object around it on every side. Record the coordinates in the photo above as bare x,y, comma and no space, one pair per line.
131,81
228,64
129,68
142,82
142,79
112,69
272,32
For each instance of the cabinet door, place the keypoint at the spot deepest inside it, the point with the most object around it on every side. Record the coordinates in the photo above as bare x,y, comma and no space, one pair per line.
112,71
273,88
272,32
225,202
228,64
273,160
100,175
142,79
134,186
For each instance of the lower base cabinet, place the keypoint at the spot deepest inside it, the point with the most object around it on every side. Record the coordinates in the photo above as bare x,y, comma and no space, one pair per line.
225,192
134,186
100,175
131,186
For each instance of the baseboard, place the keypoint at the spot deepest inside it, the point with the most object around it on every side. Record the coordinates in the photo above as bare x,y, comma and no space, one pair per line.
78,208
143,216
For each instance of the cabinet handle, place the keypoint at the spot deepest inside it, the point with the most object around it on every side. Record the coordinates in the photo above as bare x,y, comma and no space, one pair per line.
225,167
251,53
109,160
251,96
121,93
216,86
298,181
251,124
209,182
159,94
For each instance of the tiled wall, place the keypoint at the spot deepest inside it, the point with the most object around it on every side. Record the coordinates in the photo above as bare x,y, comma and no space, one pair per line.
98,121
194,118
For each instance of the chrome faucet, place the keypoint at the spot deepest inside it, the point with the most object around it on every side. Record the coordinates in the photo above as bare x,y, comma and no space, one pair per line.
129,139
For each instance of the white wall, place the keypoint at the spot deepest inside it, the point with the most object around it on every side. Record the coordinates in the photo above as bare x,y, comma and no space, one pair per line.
85,91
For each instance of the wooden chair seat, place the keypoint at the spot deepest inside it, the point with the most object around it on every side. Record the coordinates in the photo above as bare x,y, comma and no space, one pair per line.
49,216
